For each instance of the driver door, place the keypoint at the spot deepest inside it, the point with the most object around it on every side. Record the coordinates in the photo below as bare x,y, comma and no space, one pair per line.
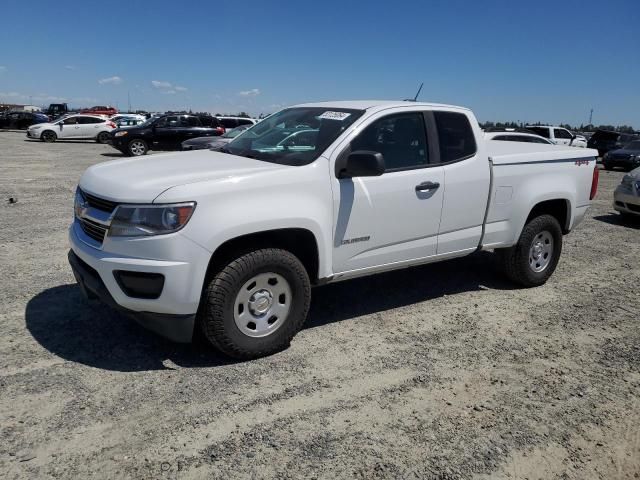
395,217
68,128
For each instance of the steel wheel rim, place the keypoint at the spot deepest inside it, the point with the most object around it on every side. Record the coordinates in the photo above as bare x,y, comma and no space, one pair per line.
103,137
48,136
137,148
541,251
262,304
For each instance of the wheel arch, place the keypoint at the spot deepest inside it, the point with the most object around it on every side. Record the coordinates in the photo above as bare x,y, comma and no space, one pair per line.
559,208
301,242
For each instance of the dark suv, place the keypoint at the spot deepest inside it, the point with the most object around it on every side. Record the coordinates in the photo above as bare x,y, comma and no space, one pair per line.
164,133
605,140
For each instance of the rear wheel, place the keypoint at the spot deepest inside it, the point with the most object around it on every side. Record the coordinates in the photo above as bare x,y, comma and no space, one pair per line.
534,258
256,304
103,137
48,136
137,148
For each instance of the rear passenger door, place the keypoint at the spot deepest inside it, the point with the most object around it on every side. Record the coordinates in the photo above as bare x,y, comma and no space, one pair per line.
89,127
466,182
393,218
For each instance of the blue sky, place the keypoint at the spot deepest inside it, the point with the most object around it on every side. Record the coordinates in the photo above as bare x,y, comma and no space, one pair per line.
538,60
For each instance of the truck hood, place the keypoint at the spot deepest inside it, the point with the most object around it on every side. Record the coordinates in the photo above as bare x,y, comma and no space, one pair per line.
141,180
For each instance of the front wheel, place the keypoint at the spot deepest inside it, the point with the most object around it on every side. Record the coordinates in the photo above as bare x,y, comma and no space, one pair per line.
534,258
48,136
137,148
256,304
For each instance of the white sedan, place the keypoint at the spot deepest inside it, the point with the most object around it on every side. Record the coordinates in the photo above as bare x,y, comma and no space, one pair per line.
73,127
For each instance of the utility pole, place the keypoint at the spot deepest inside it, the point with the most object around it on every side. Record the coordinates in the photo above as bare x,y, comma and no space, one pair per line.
591,117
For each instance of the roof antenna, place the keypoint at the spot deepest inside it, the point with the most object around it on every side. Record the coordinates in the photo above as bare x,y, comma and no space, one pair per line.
417,94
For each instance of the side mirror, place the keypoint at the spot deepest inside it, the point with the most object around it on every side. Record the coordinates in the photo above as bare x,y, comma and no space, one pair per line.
362,163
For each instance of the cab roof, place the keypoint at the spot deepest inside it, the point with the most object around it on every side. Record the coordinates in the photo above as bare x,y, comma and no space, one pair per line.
377,104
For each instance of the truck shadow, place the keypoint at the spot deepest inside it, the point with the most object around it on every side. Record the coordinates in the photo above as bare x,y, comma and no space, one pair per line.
616,219
71,327
378,293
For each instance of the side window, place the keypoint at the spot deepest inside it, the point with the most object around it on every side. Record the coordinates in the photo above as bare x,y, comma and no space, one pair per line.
161,122
538,140
229,123
172,122
190,122
70,121
561,133
89,120
401,139
542,131
455,136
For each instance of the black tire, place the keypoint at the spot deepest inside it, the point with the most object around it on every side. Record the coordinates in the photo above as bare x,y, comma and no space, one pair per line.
517,261
48,136
137,147
103,137
217,317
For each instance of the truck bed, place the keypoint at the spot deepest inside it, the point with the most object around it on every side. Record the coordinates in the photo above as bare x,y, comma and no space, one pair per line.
502,153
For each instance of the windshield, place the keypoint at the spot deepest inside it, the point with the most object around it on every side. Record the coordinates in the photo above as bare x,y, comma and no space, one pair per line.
234,132
295,136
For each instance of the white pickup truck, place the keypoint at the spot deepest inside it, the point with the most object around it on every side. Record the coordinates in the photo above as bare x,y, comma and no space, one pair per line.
231,242
559,135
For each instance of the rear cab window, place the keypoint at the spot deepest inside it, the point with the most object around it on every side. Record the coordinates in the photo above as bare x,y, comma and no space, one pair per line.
455,136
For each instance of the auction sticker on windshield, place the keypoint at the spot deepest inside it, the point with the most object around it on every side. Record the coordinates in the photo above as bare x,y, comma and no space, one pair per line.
334,115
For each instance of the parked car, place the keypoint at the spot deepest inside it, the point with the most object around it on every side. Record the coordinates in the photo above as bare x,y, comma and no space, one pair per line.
558,135
605,140
515,135
73,127
232,242
627,157
232,122
626,198
200,143
164,133
124,120
21,120
100,110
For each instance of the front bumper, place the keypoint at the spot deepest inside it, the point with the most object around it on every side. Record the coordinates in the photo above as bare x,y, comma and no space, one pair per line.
33,133
172,313
626,201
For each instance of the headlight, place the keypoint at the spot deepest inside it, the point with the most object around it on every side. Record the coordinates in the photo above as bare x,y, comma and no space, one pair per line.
35,127
147,220
120,134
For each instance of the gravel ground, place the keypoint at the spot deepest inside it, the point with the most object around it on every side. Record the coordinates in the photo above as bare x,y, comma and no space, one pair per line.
439,372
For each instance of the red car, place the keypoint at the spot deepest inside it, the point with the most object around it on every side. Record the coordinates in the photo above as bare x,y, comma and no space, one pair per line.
100,110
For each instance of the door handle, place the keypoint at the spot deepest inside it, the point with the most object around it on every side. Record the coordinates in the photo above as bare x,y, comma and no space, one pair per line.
427,186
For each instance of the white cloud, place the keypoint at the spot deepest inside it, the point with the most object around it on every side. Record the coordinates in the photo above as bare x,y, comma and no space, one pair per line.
169,92
115,80
181,89
160,84
250,93
23,97
70,67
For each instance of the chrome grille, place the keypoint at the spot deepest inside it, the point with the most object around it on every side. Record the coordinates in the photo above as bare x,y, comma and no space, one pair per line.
93,229
99,203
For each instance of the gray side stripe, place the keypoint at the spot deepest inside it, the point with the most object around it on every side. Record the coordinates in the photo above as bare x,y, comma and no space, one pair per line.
570,160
